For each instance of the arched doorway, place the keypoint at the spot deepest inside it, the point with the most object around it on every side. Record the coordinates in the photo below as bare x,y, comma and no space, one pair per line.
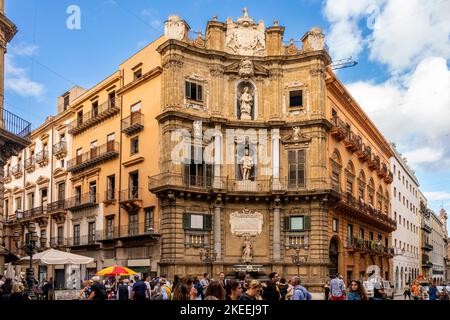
334,256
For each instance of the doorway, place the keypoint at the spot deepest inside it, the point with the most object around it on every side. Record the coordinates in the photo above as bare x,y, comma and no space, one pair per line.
59,279
334,257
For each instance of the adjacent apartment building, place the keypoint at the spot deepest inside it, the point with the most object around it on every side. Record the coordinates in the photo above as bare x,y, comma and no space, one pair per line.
438,241
405,208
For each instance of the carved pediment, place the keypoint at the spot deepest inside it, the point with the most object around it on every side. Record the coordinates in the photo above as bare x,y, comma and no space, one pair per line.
59,172
42,180
17,190
296,137
235,68
30,185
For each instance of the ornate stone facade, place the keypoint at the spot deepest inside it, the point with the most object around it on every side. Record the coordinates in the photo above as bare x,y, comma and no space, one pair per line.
283,129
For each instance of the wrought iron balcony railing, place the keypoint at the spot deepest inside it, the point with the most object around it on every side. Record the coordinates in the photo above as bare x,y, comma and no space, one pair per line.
94,157
131,194
85,240
14,124
17,169
60,148
89,119
30,163
110,195
82,201
133,124
59,205
42,156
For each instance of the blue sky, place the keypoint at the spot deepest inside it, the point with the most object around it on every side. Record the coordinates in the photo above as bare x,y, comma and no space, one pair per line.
402,49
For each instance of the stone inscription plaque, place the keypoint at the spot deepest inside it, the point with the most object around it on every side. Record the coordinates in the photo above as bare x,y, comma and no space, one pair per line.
246,222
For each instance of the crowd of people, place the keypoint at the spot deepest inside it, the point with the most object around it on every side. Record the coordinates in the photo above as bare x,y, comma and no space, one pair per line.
193,288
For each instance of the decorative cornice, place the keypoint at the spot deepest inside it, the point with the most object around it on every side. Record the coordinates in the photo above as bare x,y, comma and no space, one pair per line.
147,76
133,162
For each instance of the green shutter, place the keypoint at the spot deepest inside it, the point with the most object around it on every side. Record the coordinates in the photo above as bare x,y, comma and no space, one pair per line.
186,221
207,222
287,225
307,222
188,89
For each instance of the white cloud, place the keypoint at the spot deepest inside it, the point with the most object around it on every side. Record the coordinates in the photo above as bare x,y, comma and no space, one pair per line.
437,196
23,49
414,111
405,32
152,17
16,77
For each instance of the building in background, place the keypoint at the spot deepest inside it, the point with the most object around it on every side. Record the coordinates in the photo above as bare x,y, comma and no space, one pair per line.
298,170
36,183
425,237
439,251
14,131
405,208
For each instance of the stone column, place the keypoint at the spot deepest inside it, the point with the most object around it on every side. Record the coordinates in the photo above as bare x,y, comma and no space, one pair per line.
276,231
218,228
276,158
217,157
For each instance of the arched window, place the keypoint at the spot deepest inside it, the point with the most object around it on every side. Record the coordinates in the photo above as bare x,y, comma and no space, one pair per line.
386,202
336,165
380,198
361,186
371,191
350,177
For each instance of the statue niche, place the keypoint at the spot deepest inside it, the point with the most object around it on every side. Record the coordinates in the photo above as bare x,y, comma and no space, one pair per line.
245,162
246,101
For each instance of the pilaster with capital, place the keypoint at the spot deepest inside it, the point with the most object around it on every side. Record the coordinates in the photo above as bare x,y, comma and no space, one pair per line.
275,157
172,81
216,70
276,230
218,204
317,75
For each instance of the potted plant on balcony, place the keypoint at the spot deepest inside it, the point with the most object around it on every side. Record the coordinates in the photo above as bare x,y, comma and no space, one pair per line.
359,242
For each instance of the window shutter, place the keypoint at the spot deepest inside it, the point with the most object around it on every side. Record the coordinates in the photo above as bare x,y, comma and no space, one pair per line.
207,222
307,222
199,92
287,225
186,221
188,89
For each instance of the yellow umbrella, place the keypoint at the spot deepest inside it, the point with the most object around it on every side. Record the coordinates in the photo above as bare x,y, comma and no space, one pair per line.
116,271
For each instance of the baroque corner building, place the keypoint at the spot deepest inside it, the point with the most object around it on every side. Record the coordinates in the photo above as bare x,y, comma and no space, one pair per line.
264,157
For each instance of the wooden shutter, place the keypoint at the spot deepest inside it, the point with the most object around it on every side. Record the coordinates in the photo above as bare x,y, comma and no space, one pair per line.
188,89
307,222
186,221
199,92
287,223
207,222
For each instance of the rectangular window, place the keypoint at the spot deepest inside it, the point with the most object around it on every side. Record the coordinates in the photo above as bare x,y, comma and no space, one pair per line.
296,163
133,185
80,117
79,155
60,235
148,219
137,74
371,235
76,235
91,232
135,108
296,99
66,101
61,191
78,195
112,99
93,149
133,224
134,145
196,221
297,223
30,198
349,234
109,228
93,192
94,109
335,225
110,138
193,91
361,233
111,191
6,207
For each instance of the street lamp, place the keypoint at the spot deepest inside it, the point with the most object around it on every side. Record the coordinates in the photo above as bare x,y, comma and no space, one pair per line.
207,257
297,258
30,247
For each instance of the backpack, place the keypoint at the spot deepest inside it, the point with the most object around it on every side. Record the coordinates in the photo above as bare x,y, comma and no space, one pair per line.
100,293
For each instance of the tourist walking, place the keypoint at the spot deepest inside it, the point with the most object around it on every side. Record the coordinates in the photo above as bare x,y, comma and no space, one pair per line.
299,292
86,291
216,289
356,291
253,291
407,291
337,288
204,283
98,290
140,291
326,290
271,291
123,290
233,289
433,291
